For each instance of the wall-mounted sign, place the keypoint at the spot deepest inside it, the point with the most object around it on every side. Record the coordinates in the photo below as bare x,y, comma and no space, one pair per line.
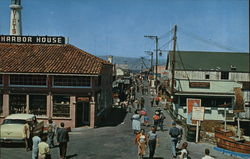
199,85
32,39
82,99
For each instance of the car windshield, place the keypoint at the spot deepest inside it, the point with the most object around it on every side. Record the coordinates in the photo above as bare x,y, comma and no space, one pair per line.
13,121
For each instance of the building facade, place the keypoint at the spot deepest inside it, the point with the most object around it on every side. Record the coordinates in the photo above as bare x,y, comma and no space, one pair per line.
211,77
54,80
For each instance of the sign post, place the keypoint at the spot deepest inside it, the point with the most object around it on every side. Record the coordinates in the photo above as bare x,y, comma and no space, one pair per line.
198,115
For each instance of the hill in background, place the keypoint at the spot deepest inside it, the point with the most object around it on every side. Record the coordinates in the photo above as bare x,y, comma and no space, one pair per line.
133,63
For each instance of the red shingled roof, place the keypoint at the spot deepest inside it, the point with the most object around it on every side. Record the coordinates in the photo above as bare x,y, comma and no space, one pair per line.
41,58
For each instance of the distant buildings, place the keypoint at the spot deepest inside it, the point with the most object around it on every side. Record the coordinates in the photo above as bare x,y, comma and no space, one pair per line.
212,77
54,80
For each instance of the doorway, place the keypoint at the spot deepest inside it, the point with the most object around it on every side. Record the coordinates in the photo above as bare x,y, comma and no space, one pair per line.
82,114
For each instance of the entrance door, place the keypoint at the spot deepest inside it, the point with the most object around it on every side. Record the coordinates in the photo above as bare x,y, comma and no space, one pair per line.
82,114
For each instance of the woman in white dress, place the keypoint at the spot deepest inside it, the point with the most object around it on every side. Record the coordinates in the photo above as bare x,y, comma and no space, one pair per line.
136,124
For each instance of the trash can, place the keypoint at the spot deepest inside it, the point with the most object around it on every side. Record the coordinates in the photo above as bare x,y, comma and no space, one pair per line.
191,135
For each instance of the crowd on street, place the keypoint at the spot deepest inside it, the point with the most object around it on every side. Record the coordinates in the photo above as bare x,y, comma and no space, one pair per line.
150,139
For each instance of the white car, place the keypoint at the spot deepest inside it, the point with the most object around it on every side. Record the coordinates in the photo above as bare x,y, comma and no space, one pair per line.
11,130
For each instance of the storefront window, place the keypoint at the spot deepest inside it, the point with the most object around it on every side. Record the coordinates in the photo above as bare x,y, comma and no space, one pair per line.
1,104
61,106
38,104
17,104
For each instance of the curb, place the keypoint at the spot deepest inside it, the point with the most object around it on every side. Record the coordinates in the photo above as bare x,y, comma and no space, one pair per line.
231,153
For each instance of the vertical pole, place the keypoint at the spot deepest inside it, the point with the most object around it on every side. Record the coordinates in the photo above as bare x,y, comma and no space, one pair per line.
173,62
238,126
152,53
197,131
225,123
156,63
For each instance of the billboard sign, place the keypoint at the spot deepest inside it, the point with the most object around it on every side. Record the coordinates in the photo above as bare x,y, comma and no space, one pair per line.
190,104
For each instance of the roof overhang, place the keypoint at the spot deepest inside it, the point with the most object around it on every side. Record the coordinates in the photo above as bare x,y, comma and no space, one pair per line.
205,94
41,73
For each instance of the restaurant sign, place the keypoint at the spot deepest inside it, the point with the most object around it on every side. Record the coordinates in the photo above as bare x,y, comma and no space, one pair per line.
199,85
32,39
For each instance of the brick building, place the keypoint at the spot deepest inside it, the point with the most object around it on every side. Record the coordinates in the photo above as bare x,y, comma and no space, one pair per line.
54,80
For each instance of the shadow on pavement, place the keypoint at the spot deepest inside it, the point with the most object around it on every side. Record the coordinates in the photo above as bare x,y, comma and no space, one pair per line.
153,158
114,117
12,145
71,156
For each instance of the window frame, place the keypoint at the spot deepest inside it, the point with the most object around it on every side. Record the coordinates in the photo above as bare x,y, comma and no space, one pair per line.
30,80
57,104
224,75
70,86
30,96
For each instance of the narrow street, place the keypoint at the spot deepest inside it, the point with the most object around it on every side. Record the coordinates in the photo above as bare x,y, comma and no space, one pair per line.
114,140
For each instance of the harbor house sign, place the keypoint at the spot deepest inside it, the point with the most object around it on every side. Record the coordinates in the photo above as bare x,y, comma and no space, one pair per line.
32,39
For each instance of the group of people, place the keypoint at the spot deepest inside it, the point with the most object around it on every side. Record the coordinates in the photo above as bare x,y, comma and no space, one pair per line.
151,139
143,140
41,143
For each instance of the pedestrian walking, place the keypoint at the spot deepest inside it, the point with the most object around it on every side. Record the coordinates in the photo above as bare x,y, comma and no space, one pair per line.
141,140
157,100
136,123
174,133
142,90
181,134
161,120
146,120
152,99
35,140
51,132
136,104
143,113
142,102
62,139
156,119
43,147
184,151
207,154
152,142
27,135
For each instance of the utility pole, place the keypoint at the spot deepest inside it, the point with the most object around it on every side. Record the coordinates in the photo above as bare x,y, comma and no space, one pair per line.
151,53
141,64
173,63
156,57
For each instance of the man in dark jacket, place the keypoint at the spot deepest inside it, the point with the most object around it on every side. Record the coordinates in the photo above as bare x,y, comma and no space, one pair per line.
62,139
174,132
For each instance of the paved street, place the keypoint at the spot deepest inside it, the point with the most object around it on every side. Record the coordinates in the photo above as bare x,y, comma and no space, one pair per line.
113,140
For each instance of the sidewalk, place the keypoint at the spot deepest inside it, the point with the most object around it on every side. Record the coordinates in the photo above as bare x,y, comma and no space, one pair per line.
196,150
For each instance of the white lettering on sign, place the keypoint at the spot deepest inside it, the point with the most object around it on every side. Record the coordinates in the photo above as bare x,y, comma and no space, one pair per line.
32,39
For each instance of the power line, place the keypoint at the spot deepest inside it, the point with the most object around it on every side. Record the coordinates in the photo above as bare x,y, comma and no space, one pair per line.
210,42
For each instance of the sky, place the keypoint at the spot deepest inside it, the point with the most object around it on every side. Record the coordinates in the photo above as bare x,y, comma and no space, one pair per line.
118,27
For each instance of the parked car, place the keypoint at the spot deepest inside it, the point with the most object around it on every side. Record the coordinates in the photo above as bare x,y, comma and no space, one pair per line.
11,130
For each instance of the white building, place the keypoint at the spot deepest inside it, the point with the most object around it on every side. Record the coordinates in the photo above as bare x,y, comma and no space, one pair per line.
211,77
